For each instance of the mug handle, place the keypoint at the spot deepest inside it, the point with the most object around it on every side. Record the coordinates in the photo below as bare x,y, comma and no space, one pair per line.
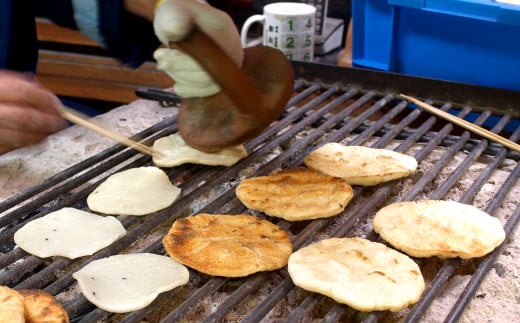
247,24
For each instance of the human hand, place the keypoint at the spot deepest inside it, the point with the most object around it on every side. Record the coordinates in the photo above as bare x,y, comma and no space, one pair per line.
173,21
27,112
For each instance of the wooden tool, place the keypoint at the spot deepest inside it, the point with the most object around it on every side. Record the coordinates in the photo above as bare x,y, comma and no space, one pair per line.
465,124
75,117
251,97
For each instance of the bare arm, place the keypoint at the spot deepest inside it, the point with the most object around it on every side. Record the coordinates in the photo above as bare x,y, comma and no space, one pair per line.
143,8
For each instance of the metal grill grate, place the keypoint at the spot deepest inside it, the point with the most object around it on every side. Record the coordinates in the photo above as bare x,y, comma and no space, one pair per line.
355,114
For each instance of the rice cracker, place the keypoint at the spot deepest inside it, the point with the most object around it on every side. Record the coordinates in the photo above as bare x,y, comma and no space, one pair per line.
445,229
296,194
41,306
174,152
365,275
360,165
228,245
11,305
30,305
135,191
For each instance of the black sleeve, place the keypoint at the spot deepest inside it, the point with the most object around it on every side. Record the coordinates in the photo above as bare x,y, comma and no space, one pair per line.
18,47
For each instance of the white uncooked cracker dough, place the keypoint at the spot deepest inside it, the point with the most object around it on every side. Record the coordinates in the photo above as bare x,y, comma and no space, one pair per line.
135,191
68,232
129,282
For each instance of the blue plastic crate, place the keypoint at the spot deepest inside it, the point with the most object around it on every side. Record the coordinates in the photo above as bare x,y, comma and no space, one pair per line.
473,42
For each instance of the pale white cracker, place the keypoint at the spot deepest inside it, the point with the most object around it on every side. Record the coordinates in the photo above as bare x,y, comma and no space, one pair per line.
68,232
174,152
135,191
360,165
129,282
445,229
365,275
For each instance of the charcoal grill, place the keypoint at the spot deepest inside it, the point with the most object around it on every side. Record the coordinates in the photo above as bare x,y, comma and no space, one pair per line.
329,104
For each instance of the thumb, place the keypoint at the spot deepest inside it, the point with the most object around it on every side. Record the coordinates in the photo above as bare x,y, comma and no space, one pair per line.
172,22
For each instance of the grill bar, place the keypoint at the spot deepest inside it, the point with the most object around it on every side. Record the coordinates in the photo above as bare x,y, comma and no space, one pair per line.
483,269
111,250
319,112
356,217
80,167
450,265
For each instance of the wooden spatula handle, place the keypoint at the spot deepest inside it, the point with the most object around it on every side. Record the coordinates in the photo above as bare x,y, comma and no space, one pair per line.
235,84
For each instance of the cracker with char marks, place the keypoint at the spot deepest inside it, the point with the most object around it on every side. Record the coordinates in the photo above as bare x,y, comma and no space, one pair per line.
30,305
41,306
11,305
445,229
296,194
360,165
365,275
228,245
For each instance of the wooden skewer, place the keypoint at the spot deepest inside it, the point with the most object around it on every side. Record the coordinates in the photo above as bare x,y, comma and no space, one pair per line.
465,124
74,117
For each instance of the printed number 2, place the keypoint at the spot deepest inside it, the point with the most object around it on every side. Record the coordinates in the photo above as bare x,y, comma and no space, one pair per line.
290,42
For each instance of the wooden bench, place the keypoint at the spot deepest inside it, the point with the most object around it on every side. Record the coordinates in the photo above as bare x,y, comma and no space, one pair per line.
75,66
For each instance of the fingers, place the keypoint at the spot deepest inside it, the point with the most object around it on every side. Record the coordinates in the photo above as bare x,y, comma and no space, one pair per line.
174,20
24,127
14,138
219,26
29,120
27,112
19,89
190,79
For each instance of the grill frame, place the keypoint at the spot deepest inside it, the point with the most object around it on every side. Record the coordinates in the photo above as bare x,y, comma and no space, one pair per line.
375,89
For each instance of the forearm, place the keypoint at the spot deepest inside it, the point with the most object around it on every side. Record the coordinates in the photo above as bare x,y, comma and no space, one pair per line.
142,8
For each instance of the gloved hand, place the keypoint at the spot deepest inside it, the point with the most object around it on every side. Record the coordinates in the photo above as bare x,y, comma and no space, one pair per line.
173,21
27,112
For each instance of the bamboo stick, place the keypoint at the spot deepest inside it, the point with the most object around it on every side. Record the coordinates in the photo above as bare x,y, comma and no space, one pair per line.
465,124
74,117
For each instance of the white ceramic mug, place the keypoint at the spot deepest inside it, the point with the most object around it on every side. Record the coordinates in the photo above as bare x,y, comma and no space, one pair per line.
288,26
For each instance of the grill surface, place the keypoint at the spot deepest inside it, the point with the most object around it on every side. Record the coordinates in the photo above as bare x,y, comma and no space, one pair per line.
354,107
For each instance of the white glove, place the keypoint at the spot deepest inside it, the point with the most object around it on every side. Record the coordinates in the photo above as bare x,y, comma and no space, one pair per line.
173,21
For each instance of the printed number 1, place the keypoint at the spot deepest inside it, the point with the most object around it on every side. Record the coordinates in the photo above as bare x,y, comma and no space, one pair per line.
290,22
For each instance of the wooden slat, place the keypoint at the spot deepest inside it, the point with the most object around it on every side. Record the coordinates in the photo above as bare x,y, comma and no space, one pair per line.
48,31
77,57
88,89
90,76
104,71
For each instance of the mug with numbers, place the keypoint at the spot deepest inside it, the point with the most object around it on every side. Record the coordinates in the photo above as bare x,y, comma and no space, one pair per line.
288,26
